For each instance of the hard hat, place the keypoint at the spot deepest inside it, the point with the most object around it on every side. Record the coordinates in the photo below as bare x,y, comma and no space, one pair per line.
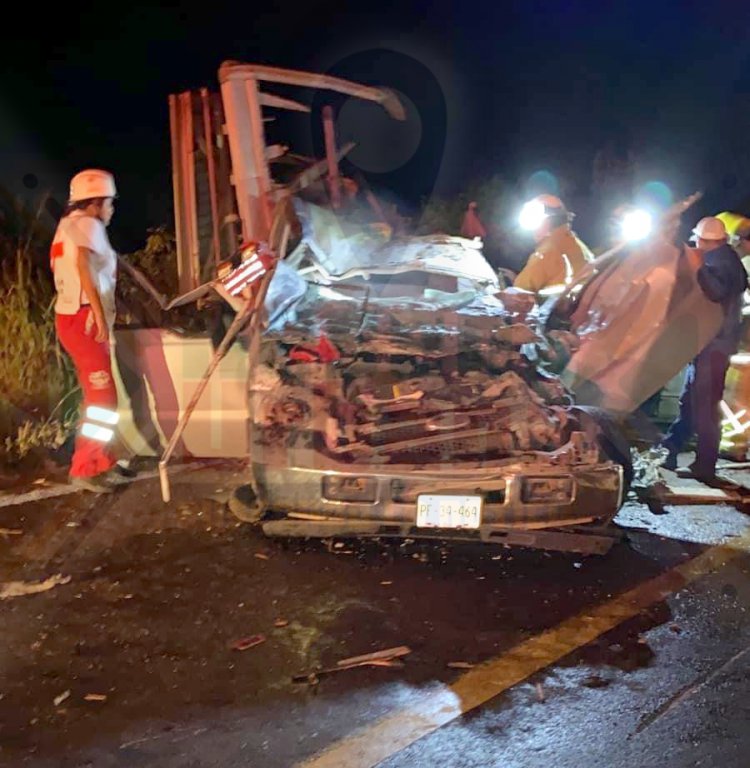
90,184
537,210
735,224
551,202
710,228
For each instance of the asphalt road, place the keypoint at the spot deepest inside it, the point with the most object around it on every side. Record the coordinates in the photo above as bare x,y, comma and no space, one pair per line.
641,657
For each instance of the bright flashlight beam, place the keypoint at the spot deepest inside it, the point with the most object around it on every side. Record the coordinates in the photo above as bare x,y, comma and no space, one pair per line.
532,215
636,225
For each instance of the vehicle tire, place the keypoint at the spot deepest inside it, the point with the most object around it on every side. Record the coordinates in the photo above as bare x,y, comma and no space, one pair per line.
611,438
244,504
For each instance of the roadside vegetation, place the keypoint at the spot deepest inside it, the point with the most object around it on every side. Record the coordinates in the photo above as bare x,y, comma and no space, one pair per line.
37,386
39,396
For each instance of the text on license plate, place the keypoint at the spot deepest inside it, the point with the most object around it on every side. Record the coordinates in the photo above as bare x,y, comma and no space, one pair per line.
437,511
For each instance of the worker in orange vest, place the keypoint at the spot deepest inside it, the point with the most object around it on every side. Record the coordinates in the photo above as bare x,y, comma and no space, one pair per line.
559,255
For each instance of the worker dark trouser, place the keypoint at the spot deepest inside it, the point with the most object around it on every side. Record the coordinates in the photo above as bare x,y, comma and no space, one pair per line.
699,409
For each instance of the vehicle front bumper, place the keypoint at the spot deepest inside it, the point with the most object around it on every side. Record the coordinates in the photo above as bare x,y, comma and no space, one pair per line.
508,516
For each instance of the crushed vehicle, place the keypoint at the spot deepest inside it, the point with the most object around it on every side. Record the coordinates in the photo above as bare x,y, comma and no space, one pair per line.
402,394
397,391
385,385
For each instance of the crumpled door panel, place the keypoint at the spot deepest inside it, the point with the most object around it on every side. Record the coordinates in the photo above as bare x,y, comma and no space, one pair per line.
640,322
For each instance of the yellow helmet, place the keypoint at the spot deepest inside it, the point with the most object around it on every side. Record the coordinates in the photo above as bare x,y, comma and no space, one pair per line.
735,223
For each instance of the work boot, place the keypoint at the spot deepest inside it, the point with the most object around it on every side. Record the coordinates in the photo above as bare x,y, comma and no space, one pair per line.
95,484
705,476
116,476
671,461
126,468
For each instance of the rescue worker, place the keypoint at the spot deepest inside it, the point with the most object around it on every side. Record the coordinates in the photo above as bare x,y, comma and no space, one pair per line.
85,272
738,230
559,255
734,445
722,279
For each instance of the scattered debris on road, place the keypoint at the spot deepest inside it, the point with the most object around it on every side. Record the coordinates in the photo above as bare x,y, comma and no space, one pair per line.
61,698
595,681
261,556
388,657
19,588
95,697
646,466
540,696
387,654
4,532
245,643
460,665
281,623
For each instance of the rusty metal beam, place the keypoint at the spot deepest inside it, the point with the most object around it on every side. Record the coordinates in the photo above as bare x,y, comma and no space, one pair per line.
250,174
329,131
279,102
231,70
183,182
186,100
208,133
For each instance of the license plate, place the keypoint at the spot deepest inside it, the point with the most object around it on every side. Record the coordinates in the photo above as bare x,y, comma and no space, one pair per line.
436,511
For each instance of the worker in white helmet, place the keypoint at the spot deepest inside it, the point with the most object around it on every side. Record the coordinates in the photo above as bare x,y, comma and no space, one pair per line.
559,255
722,278
85,273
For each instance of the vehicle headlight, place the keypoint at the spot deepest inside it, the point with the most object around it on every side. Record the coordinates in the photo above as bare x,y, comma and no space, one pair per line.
349,488
547,490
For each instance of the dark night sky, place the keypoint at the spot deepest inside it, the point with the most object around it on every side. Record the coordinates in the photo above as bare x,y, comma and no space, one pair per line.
496,87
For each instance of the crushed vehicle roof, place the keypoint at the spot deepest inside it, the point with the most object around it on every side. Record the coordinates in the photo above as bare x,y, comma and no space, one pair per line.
340,251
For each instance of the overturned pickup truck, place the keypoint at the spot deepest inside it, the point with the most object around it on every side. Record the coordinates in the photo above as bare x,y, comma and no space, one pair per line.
402,394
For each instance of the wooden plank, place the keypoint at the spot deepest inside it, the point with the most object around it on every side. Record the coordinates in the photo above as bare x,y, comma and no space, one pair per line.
693,493
317,170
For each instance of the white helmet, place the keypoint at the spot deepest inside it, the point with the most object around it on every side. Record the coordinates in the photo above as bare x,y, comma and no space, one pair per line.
90,184
710,228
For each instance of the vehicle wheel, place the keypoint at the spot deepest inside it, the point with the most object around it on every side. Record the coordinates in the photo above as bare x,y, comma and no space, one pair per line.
611,439
244,504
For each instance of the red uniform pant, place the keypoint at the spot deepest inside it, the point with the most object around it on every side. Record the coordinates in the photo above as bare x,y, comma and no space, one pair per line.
93,453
